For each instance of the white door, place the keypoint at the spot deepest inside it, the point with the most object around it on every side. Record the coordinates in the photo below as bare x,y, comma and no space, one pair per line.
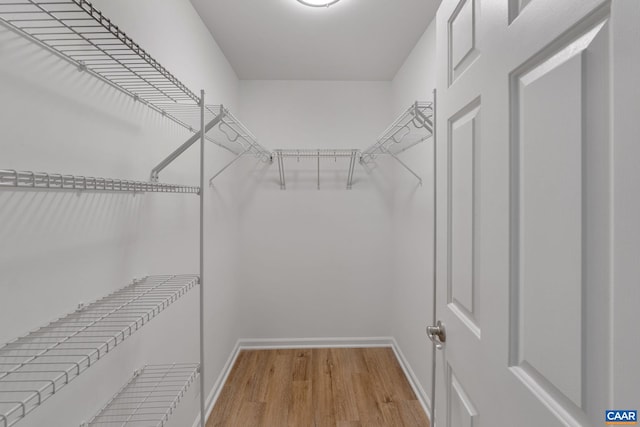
538,245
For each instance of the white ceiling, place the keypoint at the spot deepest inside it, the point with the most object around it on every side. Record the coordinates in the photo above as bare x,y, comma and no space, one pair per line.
284,40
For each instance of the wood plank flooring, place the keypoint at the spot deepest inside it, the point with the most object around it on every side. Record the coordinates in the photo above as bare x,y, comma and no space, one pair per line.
325,387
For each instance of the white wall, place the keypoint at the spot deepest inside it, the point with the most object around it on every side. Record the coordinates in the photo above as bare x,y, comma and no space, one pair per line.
413,218
299,263
315,263
61,248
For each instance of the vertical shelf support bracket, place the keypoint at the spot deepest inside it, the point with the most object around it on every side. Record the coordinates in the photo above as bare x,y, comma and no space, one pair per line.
201,134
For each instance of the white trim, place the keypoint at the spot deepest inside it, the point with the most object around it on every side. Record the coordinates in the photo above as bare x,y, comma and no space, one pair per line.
285,343
413,379
220,381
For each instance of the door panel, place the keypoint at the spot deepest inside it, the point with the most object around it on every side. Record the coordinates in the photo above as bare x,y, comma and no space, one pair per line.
460,409
526,247
552,128
462,38
464,128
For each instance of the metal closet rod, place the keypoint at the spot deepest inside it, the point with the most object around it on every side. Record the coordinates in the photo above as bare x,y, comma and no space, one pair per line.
51,181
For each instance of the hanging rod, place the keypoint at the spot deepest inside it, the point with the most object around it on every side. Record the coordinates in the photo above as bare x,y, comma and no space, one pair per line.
413,126
50,181
149,398
38,365
317,153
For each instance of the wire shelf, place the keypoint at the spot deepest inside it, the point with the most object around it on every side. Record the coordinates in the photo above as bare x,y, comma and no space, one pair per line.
82,34
413,126
36,366
239,138
318,154
149,398
50,181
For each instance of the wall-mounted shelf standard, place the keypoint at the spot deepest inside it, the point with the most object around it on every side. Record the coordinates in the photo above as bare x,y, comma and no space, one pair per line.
317,154
149,398
52,181
413,126
38,365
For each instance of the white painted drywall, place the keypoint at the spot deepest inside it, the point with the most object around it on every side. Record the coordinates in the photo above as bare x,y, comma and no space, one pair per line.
315,263
412,301
59,248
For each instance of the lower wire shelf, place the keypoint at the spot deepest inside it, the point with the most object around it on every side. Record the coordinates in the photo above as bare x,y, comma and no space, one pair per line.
36,366
149,398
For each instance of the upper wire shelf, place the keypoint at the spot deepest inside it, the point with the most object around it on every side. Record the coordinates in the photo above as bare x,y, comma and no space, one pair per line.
77,32
36,366
149,398
238,138
51,181
83,35
412,127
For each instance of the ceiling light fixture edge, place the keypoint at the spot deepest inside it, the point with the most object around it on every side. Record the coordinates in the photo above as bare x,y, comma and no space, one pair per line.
323,3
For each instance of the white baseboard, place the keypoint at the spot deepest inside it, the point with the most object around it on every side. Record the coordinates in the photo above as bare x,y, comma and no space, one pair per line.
413,379
284,343
220,381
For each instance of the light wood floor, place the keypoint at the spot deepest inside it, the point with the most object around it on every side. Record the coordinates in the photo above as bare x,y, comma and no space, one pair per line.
346,387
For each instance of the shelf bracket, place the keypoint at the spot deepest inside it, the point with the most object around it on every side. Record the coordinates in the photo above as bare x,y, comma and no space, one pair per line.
352,166
405,166
235,159
283,185
155,172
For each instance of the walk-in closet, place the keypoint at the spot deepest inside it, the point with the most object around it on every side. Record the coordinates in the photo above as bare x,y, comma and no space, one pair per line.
341,213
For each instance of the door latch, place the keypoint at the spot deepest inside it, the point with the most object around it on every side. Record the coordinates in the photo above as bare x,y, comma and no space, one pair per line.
437,334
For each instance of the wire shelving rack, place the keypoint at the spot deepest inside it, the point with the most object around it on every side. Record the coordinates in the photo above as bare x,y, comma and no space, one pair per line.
222,128
80,33
413,126
149,398
318,154
36,366
51,181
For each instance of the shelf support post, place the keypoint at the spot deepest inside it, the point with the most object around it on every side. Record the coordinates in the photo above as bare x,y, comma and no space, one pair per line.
202,133
318,170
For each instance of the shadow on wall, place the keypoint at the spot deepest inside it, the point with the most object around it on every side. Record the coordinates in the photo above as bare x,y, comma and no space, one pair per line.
303,176
42,76
57,249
